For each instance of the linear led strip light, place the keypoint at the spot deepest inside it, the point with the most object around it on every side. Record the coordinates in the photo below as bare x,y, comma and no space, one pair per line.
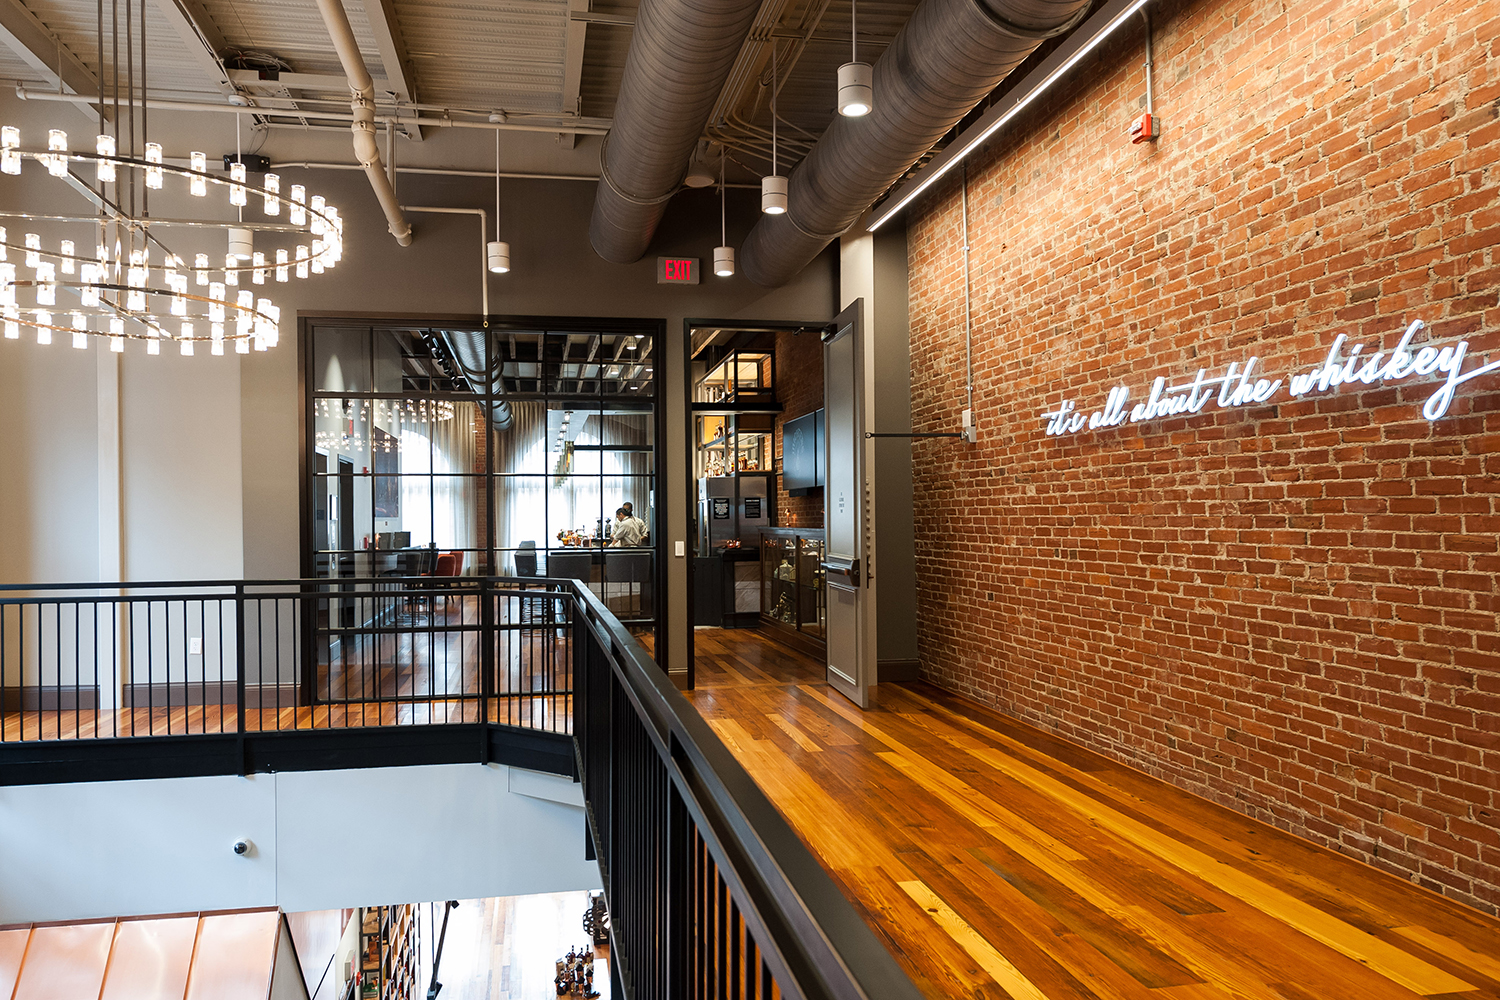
1079,44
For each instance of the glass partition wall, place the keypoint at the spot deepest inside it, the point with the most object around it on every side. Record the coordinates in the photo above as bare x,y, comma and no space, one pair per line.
438,451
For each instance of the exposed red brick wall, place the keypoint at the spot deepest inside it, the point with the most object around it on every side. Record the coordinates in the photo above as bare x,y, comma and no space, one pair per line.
799,387
1290,608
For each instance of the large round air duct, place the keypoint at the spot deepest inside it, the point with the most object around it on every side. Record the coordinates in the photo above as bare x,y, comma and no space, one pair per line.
680,55
943,63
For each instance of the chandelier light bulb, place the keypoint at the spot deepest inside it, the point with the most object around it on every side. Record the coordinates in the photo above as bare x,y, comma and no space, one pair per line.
216,307
117,334
46,289
237,189
57,142
216,339
4,254
724,261
69,265
88,295
33,246
7,284
259,274
856,89
198,186
153,174
302,255
80,331
186,333
43,327
272,320
10,157
317,257
153,342
281,265
179,306
273,194
497,254
200,265
12,324
231,275
319,224
773,194
104,170
297,214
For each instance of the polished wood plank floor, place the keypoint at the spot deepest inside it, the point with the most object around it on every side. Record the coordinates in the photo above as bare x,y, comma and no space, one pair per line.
997,860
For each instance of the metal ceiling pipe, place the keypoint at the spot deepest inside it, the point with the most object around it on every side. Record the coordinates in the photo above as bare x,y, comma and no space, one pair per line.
362,102
942,64
680,55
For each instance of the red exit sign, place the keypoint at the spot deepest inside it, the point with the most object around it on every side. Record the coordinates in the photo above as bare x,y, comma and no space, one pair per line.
677,270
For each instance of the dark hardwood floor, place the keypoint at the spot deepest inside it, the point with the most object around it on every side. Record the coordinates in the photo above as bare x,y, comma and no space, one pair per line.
997,860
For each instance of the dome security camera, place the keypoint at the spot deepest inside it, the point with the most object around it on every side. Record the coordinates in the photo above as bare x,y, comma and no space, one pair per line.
243,847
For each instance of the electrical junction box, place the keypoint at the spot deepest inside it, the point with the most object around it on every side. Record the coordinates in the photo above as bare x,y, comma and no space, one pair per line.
1146,128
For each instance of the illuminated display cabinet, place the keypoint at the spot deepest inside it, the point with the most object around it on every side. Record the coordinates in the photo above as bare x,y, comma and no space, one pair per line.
791,580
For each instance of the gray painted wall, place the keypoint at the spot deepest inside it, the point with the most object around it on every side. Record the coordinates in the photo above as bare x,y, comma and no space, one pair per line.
453,831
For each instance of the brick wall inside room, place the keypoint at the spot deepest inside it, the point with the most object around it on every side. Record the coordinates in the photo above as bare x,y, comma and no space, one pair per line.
799,387
1290,607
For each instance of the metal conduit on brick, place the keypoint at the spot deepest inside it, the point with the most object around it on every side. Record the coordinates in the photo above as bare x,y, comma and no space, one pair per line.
948,57
680,55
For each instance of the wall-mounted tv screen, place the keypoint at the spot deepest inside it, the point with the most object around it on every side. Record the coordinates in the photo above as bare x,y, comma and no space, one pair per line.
802,454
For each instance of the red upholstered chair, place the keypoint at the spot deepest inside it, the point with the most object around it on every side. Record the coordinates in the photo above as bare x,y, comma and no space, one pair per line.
449,564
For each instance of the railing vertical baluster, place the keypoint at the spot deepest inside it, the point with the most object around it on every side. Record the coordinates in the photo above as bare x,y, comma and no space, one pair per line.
487,640
239,673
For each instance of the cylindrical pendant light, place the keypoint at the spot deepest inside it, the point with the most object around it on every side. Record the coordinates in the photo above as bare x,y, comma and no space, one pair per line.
856,79
497,251
773,186
773,194
724,253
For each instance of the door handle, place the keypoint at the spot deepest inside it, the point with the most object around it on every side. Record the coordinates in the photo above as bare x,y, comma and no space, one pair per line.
848,568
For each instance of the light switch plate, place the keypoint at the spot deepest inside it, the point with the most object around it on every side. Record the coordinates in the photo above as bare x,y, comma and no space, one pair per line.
681,549
195,646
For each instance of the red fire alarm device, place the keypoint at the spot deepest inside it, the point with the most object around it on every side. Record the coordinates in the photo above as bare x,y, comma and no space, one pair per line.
1146,128
677,270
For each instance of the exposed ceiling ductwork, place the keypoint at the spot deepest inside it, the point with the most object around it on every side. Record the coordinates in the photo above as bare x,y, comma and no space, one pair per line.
362,100
948,57
467,348
679,58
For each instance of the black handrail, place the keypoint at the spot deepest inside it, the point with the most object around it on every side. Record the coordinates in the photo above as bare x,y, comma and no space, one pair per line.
771,913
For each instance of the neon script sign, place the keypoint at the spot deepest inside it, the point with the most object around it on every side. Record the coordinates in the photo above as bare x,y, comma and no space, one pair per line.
1240,385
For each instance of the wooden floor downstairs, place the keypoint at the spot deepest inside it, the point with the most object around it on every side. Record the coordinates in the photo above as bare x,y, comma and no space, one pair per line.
994,859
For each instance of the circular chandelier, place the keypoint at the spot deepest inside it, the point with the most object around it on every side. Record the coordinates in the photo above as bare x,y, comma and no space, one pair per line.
126,291
133,286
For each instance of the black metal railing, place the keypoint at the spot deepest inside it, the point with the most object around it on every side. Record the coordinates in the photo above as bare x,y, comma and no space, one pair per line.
168,659
711,892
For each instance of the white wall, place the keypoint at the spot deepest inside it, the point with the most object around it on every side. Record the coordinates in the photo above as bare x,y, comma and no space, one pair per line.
322,840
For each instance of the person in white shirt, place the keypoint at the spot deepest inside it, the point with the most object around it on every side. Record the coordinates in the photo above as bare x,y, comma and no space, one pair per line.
627,530
640,524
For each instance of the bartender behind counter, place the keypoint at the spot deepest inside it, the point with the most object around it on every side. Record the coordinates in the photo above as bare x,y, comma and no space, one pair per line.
627,530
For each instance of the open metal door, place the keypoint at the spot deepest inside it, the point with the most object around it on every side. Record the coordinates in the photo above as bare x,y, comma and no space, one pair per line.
844,563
